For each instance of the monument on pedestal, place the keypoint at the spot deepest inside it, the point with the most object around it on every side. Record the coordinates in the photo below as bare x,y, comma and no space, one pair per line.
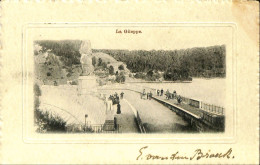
87,81
87,84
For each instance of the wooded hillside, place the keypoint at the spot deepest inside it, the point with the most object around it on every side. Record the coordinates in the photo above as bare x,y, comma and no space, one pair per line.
174,64
195,62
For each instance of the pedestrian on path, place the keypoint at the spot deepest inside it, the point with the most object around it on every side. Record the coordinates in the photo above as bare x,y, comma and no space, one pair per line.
143,94
118,108
161,92
150,95
122,95
179,99
174,94
158,92
167,94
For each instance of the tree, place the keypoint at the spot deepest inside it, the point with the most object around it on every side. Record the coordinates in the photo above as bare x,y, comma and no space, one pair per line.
47,122
120,77
111,70
99,61
36,102
121,67
37,93
37,90
94,60
150,73
104,65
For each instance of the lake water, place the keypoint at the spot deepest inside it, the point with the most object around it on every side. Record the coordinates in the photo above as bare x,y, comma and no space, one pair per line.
211,91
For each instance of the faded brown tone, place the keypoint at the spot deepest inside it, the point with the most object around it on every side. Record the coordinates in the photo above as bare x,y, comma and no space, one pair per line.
20,146
246,15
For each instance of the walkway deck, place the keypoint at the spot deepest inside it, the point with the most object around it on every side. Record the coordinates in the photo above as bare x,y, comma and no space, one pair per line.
191,109
187,107
126,119
155,117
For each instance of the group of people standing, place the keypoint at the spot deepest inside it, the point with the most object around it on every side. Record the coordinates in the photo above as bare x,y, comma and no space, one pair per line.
169,95
113,100
148,95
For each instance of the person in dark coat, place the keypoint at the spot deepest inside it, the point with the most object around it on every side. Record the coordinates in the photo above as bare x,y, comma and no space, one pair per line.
150,95
118,108
117,99
161,92
179,99
122,95
112,98
174,94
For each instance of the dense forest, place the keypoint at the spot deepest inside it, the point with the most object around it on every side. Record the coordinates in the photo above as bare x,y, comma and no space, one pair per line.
67,50
176,64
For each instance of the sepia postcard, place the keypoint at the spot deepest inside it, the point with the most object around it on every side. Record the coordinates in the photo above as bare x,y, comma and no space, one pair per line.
129,82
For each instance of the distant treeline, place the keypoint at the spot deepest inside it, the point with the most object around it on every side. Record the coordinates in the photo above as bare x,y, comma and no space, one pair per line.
176,64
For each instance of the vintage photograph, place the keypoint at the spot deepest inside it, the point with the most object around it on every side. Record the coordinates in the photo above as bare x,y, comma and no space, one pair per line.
80,88
129,82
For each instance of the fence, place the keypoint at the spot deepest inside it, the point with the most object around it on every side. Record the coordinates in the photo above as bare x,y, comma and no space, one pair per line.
212,108
203,106
186,100
103,128
96,128
140,124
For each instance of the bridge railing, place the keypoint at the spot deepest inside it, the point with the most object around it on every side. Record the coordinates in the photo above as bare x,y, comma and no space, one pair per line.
185,100
104,128
212,108
93,128
204,106
140,124
193,102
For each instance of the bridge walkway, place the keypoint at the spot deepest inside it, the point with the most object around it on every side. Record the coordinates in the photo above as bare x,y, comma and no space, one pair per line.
155,117
195,111
126,119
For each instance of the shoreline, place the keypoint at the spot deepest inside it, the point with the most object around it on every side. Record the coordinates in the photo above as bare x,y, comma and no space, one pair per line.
178,81
159,82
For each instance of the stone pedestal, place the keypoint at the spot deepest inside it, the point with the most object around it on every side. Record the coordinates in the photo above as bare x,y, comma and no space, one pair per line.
87,85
